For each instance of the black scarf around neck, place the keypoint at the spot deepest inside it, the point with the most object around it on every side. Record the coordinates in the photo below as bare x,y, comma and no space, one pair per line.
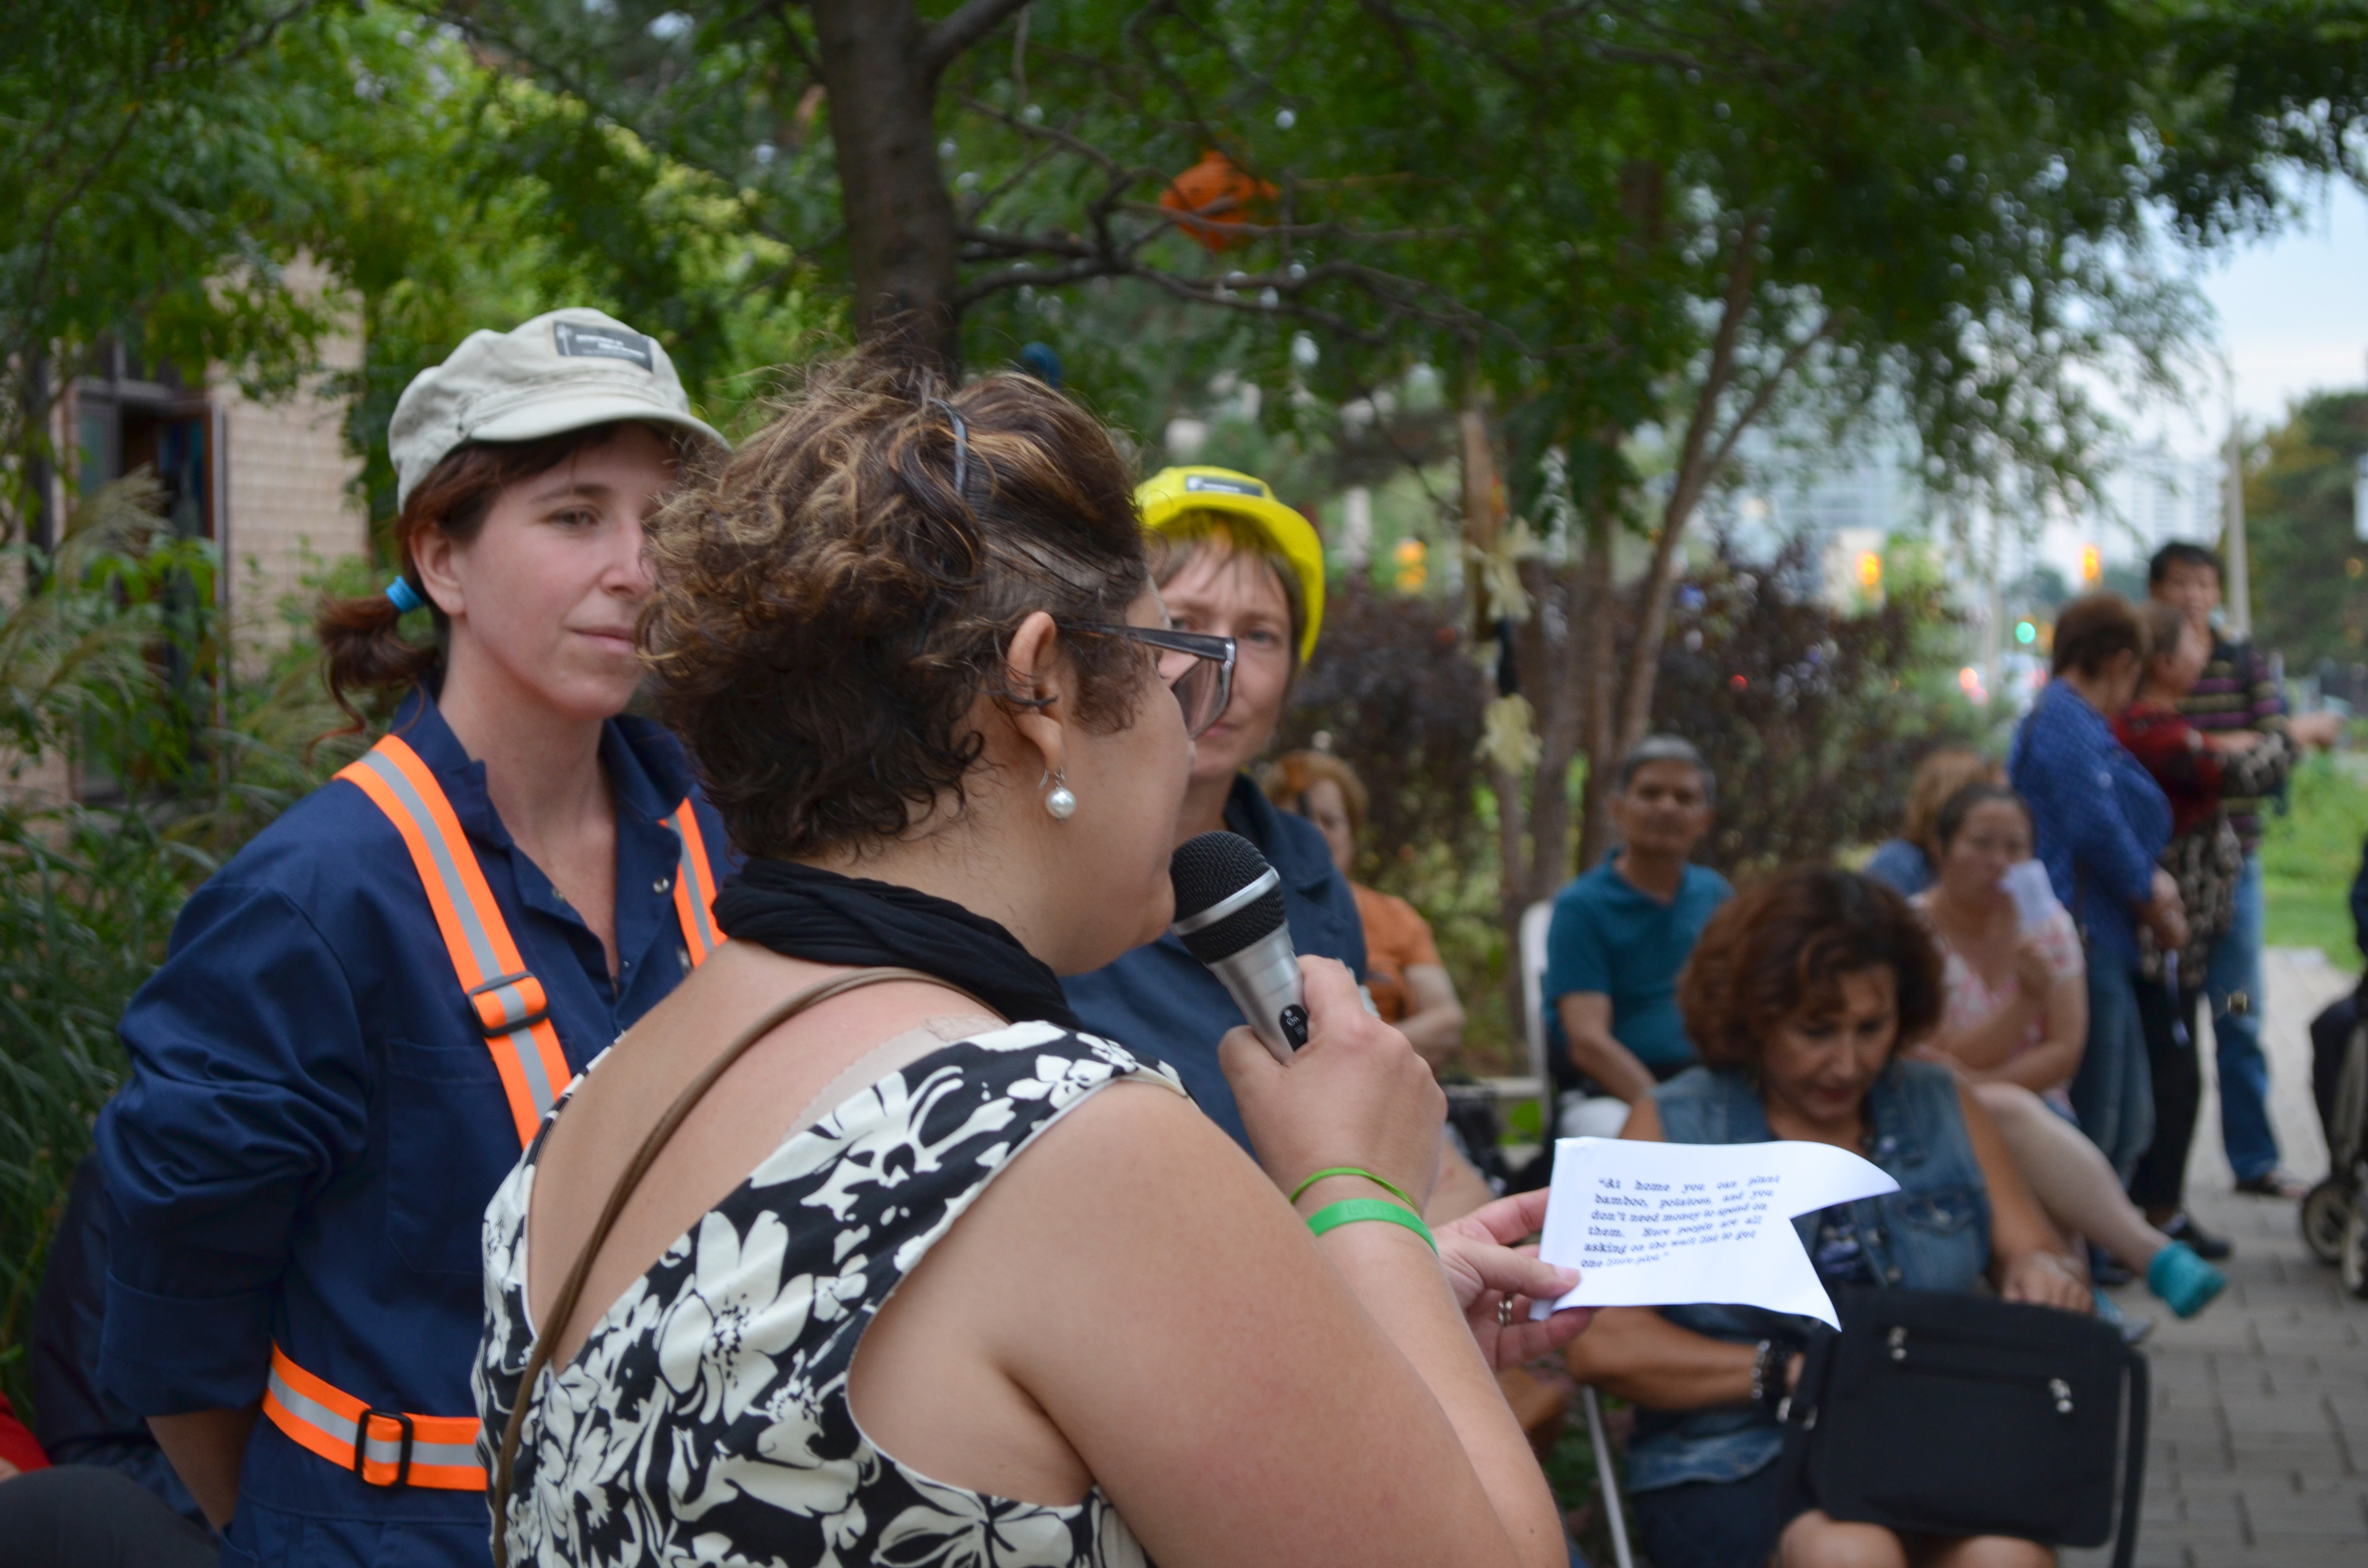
802,912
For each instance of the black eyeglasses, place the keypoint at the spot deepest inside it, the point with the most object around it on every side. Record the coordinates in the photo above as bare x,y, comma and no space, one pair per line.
1197,667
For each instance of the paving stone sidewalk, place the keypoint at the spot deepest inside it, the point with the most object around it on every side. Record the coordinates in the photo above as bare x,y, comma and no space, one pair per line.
2259,1431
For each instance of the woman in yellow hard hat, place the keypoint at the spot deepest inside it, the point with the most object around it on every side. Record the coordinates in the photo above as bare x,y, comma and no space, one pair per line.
1233,562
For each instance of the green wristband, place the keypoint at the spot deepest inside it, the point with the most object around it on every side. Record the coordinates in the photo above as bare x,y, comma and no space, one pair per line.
1354,1171
1348,1210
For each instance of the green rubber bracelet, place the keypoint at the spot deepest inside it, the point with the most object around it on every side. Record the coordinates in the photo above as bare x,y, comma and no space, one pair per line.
1354,1171
1348,1210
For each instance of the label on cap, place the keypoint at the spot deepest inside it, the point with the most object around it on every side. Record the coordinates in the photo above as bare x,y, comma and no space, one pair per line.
1230,486
577,340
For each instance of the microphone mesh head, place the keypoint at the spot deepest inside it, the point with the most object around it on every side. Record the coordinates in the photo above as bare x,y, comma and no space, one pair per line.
1210,868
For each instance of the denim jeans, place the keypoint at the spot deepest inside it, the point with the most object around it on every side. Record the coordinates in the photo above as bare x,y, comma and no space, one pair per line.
2236,968
2114,1090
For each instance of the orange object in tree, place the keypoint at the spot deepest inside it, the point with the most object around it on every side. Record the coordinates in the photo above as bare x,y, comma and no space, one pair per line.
1215,198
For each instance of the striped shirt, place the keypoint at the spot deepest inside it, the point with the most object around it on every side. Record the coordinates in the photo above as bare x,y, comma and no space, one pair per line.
2238,692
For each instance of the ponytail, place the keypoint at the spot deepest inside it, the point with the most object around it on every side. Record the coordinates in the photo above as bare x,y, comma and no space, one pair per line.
361,647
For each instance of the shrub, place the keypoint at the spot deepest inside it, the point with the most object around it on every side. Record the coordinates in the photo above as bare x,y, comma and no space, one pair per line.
1813,719
112,674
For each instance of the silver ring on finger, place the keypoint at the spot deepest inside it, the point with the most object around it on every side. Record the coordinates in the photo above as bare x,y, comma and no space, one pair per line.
1504,1311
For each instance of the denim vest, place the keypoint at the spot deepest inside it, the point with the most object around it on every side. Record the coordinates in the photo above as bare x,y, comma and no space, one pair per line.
1933,1234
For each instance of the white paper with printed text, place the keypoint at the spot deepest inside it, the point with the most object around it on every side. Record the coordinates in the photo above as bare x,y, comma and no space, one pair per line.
1670,1224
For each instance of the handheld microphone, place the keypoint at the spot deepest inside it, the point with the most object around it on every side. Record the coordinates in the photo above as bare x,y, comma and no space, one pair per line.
1229,913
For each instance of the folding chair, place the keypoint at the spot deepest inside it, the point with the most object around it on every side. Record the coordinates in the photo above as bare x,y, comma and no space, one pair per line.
1534,923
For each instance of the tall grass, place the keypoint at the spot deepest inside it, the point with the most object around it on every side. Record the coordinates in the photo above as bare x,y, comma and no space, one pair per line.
2310,851
136,763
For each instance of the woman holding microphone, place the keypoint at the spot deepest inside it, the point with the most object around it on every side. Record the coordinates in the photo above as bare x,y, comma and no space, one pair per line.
930,1276
367,1013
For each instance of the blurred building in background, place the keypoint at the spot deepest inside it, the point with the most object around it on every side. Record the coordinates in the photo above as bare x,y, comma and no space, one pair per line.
269,484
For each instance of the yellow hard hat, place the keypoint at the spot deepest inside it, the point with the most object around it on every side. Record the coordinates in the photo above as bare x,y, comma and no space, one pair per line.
1173,492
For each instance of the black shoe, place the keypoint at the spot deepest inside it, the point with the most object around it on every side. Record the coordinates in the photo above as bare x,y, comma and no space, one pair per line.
2182,1227
2106,1271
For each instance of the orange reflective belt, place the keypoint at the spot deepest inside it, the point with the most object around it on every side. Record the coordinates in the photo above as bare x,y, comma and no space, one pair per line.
385,1447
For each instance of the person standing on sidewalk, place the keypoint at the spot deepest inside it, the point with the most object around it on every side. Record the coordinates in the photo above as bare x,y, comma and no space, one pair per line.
2235,694
2099,820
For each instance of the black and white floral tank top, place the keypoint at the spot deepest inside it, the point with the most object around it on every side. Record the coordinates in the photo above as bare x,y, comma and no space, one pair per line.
706,1419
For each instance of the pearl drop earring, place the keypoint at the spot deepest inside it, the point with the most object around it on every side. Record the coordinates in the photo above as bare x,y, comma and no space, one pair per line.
1060,801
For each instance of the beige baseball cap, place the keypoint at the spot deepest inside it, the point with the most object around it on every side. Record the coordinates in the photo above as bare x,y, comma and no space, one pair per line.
562,371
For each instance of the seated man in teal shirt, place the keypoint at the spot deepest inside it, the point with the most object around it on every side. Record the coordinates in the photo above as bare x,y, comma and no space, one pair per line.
1620,934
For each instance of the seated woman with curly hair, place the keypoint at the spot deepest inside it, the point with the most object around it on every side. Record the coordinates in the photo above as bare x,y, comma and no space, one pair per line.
1801,995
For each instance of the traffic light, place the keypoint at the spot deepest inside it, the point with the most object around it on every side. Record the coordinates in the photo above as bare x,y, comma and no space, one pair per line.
2025,633
1870,571
1413,558
2093,563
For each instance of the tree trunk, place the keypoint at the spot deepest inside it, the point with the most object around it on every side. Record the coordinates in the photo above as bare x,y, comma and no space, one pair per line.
1704,453
1602,607
881,84
1561,714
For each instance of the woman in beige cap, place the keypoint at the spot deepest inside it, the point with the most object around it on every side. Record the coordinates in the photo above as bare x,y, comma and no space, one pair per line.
368,1013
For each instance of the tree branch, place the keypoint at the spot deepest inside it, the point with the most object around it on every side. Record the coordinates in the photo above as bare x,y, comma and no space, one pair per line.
1692,475
1692,479
972,21
1764,394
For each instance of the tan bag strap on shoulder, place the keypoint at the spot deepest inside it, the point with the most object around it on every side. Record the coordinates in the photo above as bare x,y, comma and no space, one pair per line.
570,1293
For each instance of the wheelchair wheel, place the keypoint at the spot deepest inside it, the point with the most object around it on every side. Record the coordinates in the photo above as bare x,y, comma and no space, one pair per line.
2348,1127
2325,1212
2353,1264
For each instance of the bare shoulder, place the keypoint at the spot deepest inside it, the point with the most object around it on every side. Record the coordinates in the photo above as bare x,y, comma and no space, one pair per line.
1137,1150
1130,1212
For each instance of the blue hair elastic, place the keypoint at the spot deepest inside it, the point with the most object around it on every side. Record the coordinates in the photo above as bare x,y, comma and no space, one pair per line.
961,449
404,597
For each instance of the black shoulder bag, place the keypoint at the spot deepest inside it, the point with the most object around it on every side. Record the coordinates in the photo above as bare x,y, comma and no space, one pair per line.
1938,1412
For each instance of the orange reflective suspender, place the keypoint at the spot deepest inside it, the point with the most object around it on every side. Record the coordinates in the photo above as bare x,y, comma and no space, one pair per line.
694,888
512,1011
394,1448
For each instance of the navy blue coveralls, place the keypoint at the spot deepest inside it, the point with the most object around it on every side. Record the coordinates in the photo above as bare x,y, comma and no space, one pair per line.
313,1125
1161,1001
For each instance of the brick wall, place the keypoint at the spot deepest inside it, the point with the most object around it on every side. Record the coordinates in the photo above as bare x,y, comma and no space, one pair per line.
288,498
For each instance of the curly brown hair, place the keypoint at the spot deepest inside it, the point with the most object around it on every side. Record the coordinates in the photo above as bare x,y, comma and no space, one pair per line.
1780,949
831,604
